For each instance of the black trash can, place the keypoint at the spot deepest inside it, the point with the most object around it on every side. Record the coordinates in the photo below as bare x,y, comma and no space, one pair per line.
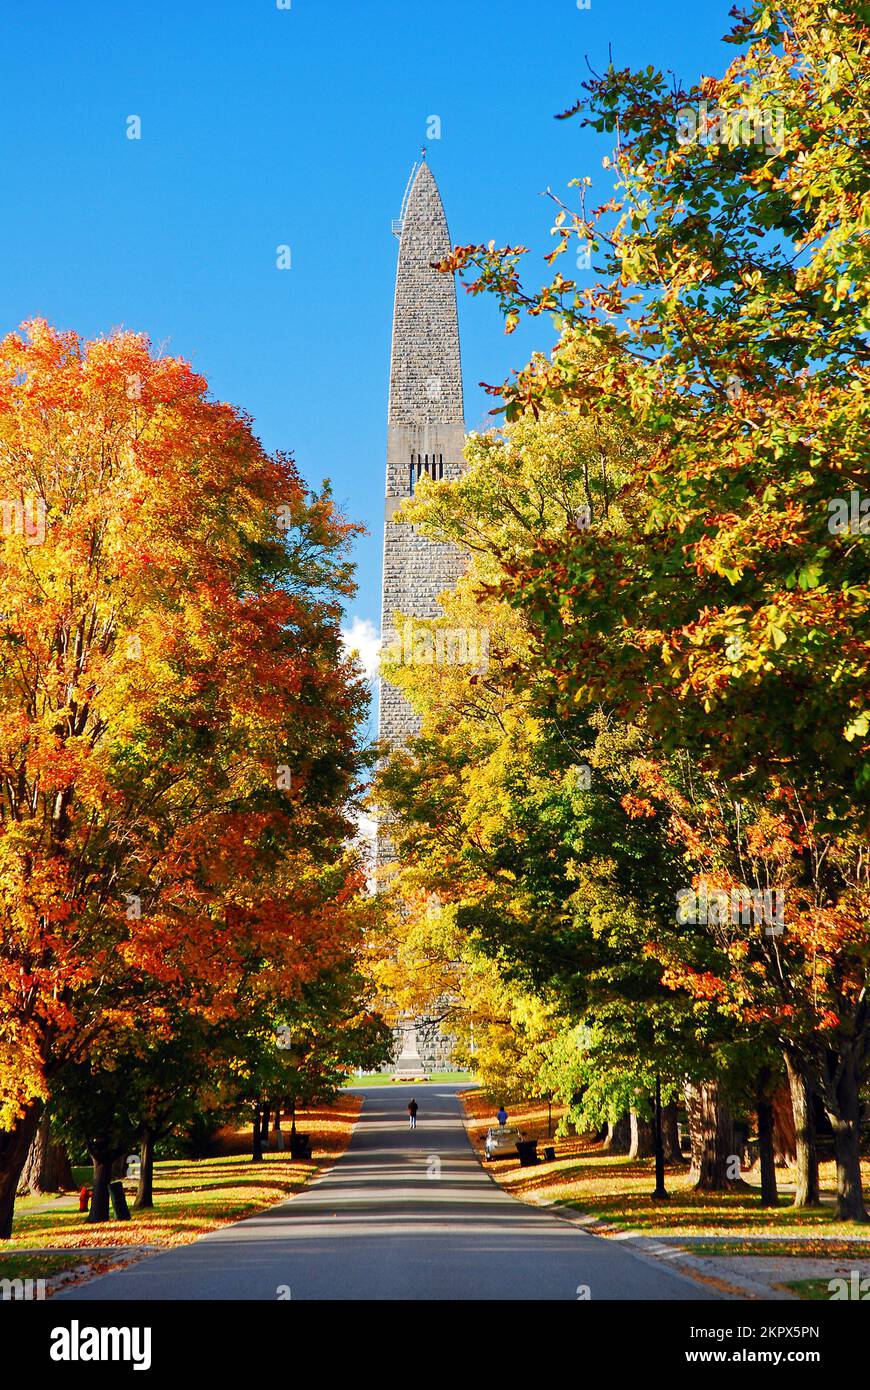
549,1154
300,1145
528,1152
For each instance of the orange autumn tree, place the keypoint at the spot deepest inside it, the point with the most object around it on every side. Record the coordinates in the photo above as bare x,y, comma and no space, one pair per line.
771,946
176,715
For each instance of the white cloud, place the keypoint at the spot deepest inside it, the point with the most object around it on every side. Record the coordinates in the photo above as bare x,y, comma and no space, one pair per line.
363,638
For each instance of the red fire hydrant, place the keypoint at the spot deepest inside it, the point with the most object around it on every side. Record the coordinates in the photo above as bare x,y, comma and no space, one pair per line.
84,1198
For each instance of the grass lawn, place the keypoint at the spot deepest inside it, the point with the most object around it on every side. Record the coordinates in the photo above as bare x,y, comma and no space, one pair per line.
617,1192
812,1289
38,1266
191,1197
380,1078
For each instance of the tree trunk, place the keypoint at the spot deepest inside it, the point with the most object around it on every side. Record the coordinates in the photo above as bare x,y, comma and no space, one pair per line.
850,1197
14,1145
671,1133
766,1152
843,1108
264,1126
47,1168
145,1192
618,1139
30,1173
642,1137
784,1143
100,1195
257,1151
711,1133
57,1173
806,1162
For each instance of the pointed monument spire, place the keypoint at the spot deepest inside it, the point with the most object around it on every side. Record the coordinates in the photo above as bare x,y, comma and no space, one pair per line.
426,372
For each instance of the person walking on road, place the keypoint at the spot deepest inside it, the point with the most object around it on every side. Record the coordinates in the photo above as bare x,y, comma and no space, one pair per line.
412,1114
502,1117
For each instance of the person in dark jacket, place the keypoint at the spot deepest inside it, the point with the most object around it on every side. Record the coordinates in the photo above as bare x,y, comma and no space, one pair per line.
412,1114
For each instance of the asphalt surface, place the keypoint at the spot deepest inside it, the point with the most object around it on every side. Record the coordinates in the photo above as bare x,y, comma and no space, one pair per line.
403,1215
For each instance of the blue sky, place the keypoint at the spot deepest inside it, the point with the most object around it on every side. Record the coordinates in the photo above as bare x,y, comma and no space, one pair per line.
263,126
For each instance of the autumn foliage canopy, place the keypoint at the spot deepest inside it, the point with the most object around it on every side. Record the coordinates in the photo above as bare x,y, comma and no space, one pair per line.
176,715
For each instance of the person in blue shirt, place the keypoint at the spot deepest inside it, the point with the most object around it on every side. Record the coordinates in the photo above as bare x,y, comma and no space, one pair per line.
502,1117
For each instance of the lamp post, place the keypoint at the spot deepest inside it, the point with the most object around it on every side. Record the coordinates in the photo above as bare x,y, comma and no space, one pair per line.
660,1193
286,1044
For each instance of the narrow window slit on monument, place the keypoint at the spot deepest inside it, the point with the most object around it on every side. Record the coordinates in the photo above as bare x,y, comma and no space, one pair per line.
430,464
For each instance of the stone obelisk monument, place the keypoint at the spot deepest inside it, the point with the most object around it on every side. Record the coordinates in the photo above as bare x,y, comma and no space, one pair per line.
425,437
425,428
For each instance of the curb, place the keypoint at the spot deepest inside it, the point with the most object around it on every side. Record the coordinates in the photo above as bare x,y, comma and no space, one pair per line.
142,1253
584,1222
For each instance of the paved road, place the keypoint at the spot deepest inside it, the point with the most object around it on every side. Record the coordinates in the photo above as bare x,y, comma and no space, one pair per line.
402,1215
